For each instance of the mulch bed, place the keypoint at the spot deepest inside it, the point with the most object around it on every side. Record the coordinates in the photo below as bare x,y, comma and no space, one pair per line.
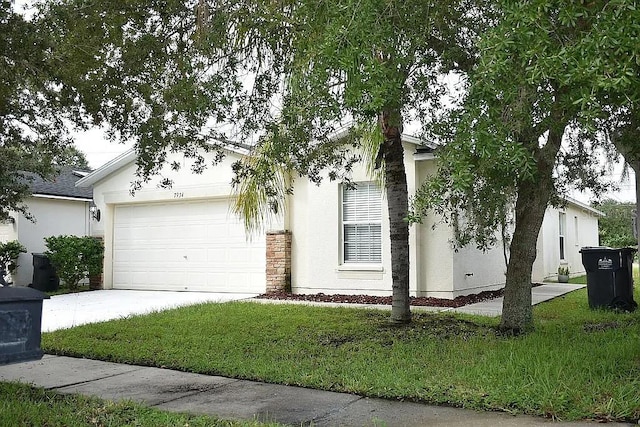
367,299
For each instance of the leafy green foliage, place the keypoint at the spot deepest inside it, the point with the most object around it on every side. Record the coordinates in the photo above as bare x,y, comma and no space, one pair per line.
616,228
72,157
291,71
9,253
548,76
34,113
75,258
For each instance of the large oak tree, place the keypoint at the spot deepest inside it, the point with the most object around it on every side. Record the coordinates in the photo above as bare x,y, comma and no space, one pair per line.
536,108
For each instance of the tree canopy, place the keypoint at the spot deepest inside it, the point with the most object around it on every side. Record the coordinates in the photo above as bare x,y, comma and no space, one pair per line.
34,115
616,228
197,75
548,77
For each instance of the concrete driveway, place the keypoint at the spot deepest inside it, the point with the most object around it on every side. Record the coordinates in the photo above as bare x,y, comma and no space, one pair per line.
66,311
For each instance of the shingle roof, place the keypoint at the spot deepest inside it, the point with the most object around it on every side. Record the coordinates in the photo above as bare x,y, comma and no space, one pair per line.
64,185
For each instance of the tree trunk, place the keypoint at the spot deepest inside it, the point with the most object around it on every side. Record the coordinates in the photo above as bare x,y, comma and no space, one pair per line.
517,314
398,202
533,198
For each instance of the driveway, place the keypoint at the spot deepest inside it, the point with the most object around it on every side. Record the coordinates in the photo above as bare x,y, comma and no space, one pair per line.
66,311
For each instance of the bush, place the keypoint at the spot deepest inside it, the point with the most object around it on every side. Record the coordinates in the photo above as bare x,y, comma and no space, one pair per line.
9,253
75,258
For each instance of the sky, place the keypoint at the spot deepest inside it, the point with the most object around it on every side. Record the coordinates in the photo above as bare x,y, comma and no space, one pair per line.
97,149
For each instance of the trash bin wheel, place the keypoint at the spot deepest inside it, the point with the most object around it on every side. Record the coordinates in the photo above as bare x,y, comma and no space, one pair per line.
623,304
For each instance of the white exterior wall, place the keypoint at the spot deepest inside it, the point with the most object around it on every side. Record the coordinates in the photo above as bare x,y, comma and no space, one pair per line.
8,231
475,271
582,230
54,217
212,184
435,269
314,219
435,252
446,273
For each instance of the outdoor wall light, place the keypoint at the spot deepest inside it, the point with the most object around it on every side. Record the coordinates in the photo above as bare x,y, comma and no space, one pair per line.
94,211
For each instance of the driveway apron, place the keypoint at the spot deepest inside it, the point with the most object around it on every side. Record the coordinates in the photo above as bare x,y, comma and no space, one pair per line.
69,310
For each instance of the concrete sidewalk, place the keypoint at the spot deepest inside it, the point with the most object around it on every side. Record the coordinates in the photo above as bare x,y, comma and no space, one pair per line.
229,398
544,292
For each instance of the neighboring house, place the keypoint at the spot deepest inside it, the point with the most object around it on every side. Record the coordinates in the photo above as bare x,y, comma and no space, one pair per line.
58,207
563,233
331,239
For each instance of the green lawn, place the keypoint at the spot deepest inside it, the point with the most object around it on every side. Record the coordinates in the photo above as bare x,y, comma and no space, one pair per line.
577,364
23,405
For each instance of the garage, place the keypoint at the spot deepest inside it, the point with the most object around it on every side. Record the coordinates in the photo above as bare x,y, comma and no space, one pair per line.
185,246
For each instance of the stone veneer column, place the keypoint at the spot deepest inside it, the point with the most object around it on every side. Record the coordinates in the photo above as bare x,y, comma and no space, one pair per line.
278,261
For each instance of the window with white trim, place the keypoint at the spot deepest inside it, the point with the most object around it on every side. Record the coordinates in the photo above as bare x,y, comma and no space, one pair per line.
562,227
362,224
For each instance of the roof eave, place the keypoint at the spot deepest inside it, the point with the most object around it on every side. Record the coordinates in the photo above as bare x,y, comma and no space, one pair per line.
129,157
107,169
584,206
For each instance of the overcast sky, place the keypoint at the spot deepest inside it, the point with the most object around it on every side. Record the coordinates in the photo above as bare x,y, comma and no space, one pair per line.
97,148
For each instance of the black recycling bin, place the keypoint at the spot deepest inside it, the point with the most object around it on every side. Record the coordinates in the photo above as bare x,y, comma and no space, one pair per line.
609,277
20,324
45,277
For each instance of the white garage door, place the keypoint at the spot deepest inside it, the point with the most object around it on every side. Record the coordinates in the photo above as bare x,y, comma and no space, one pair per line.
195,246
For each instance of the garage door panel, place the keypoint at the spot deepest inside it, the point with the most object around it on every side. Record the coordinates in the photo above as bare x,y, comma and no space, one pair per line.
185,246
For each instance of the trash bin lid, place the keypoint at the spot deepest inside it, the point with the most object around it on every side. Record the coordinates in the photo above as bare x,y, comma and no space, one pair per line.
20,293
587,249
596,249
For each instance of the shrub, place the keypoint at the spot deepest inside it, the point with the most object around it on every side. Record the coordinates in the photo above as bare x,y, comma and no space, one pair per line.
75,258
9,253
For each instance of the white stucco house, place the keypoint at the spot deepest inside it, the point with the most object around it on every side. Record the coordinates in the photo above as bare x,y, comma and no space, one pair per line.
330,239
565,230
58,207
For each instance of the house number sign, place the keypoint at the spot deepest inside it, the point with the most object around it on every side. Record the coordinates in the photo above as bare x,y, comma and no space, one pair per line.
178,195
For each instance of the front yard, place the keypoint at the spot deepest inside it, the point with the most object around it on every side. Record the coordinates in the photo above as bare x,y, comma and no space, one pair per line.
578,364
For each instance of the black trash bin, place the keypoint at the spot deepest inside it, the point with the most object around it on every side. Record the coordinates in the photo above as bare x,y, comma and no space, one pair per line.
45,277
20,324
609,277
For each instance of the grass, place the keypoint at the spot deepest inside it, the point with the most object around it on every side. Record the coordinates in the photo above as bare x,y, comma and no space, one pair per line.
577,364
23,405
